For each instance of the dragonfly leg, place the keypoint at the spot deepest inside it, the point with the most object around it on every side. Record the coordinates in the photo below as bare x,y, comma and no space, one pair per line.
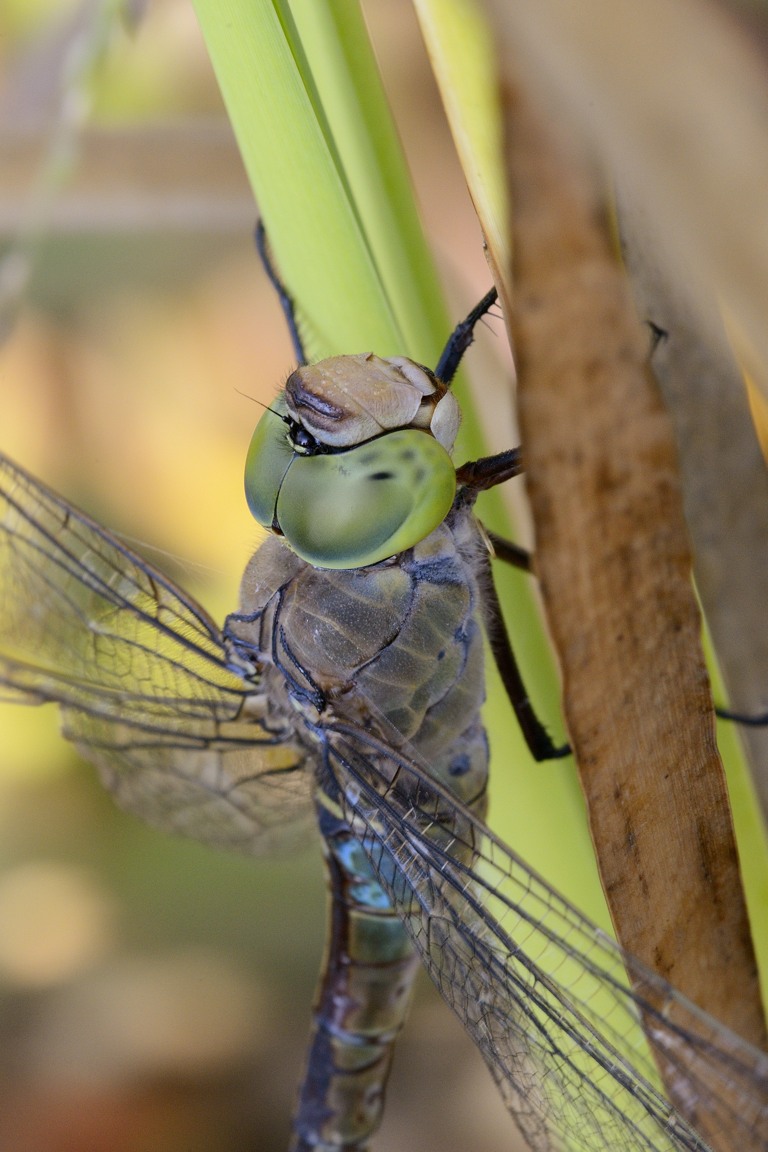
489,471
283,295
537,738
759,720
477,475
461,338
508,552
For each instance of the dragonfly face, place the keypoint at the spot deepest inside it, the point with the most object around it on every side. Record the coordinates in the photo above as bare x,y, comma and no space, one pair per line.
352,464
352,690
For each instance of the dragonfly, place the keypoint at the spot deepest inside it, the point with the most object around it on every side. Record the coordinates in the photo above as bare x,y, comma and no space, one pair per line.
344,693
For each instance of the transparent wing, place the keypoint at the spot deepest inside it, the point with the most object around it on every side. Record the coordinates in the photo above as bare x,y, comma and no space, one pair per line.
141,674
544,993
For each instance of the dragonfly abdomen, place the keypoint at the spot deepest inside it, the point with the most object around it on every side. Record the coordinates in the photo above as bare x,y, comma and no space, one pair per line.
361,1003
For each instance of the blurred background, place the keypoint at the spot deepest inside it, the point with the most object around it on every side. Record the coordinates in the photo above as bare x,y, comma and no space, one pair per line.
154,995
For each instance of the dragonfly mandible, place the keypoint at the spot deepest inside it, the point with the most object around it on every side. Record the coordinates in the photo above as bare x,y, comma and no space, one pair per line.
345,691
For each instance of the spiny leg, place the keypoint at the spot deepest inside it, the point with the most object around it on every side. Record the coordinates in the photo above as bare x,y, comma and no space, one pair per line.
759,720
510,553
461,338
283,295
479,475
536,736
488,471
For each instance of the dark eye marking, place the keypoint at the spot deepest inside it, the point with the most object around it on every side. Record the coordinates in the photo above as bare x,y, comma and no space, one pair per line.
381,476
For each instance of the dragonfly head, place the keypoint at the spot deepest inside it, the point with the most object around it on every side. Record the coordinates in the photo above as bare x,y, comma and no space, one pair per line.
347,400
352,464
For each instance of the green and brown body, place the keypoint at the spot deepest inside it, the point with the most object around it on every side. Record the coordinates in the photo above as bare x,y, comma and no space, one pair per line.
396,649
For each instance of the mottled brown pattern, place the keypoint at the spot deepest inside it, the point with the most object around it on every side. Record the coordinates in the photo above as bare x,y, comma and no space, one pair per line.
615,571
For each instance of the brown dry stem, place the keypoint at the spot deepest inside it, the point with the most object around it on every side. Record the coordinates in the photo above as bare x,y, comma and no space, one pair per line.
615,569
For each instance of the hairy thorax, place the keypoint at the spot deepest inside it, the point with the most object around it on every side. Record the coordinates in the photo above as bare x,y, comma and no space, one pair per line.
399,640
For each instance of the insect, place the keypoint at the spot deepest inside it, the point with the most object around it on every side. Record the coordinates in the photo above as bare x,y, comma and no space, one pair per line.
345,690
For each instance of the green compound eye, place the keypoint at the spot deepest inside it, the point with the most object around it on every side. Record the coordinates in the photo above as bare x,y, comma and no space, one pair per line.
269,458
354,508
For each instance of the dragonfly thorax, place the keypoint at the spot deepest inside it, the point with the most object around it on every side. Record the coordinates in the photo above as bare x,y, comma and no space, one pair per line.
395,649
